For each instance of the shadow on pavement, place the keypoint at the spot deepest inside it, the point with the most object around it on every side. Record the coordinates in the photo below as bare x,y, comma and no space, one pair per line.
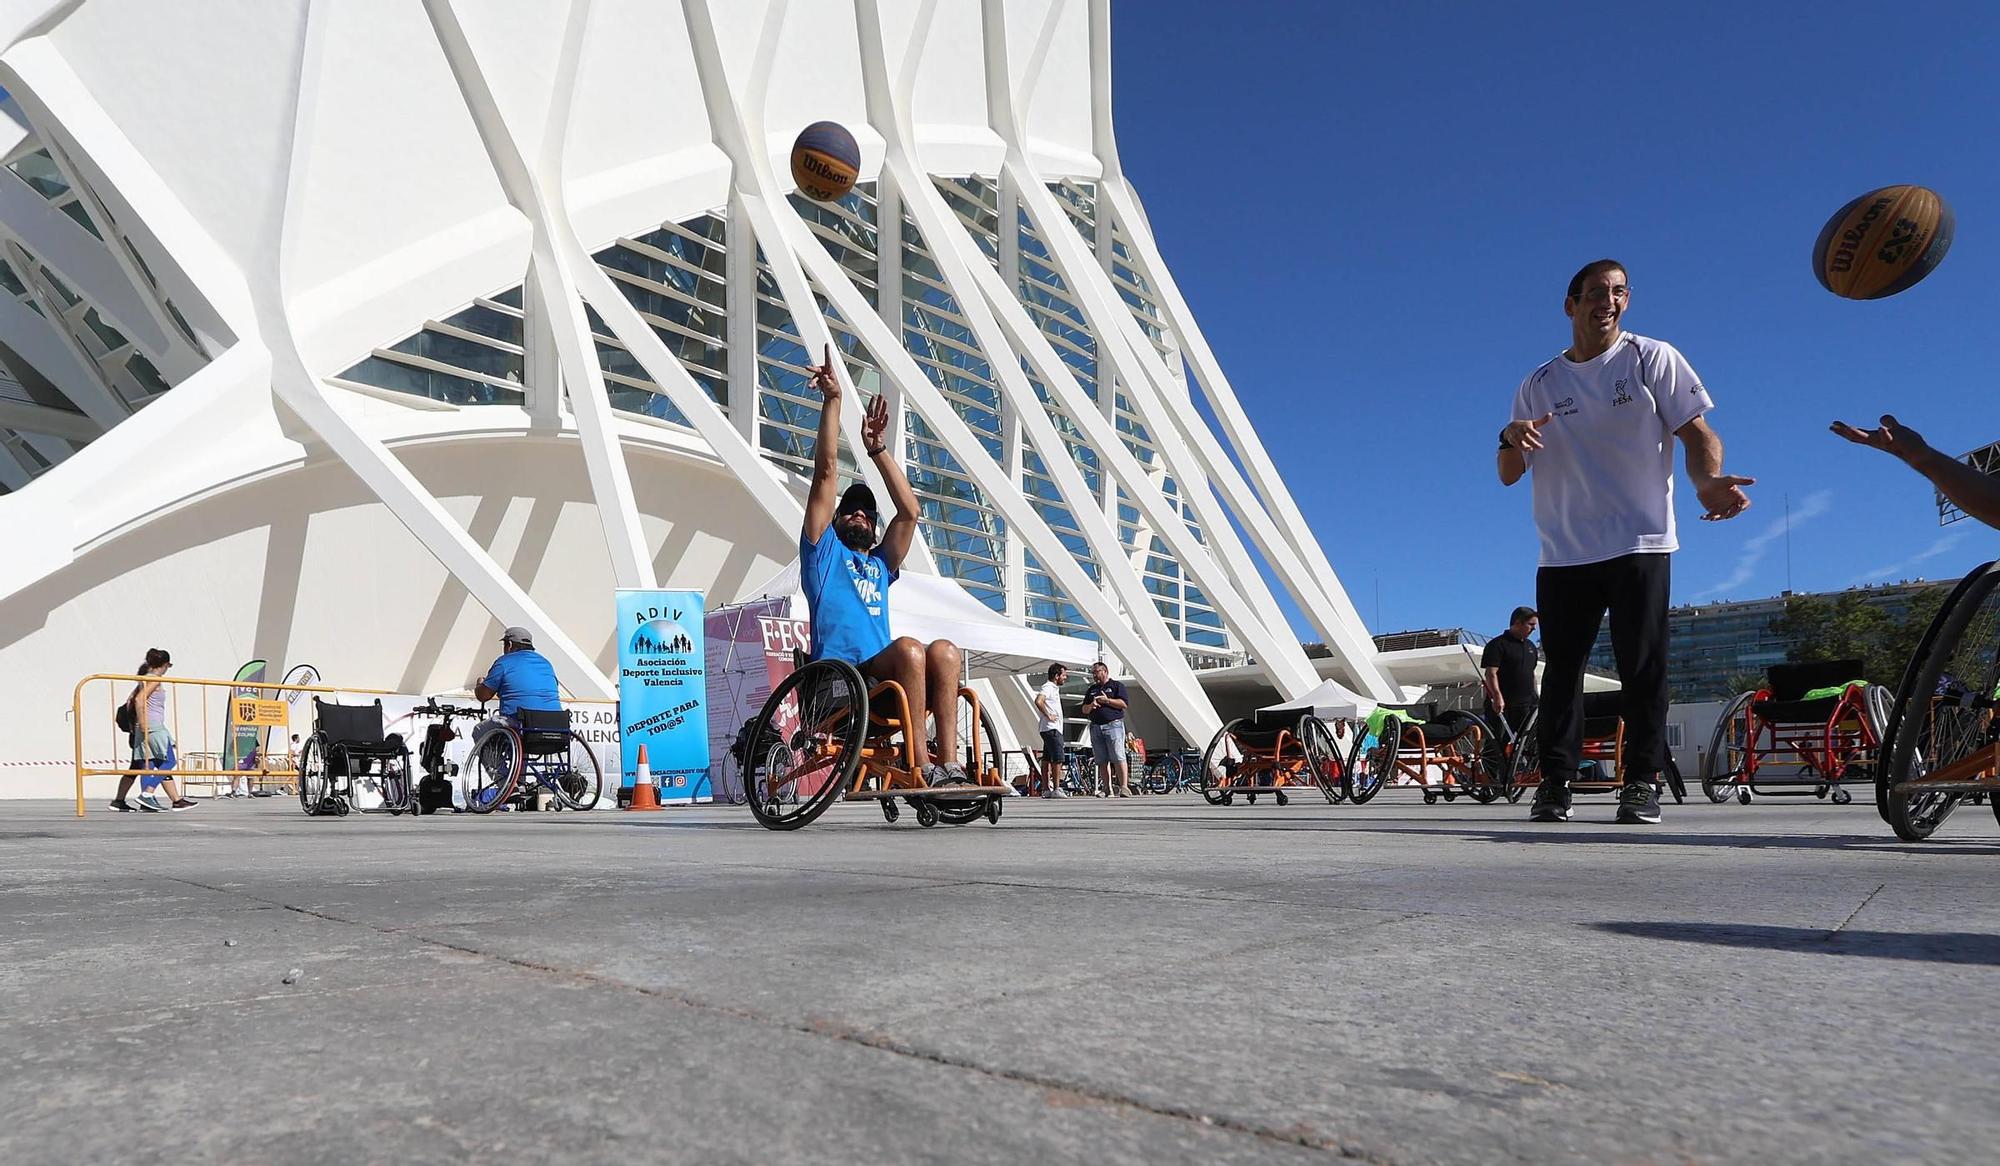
1943,947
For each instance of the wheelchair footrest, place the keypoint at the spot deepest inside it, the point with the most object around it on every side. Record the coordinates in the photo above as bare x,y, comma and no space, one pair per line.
955,793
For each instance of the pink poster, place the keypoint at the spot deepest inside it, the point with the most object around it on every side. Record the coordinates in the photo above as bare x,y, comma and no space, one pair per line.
750,649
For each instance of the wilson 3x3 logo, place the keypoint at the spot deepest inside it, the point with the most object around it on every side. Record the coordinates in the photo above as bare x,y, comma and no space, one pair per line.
1901,238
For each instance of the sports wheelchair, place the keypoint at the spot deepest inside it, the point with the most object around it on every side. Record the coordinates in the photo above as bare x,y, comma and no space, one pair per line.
1269,752
825,735
349,755
1601,761
1443,752
1941,747
540,748
1812,727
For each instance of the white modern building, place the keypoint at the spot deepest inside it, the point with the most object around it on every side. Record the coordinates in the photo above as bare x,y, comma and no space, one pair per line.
348,331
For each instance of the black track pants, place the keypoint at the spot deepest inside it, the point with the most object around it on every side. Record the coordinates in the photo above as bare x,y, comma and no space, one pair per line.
1572,602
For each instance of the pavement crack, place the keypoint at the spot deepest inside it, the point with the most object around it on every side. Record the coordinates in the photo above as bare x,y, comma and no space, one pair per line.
881,1042
1870,898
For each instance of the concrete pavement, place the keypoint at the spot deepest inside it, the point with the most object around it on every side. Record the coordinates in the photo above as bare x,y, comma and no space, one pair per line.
1151,980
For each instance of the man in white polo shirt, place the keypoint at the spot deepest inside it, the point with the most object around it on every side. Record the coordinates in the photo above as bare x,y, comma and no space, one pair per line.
1596,426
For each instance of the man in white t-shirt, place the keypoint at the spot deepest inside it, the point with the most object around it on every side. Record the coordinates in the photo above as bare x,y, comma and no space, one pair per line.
1596,426
1049,719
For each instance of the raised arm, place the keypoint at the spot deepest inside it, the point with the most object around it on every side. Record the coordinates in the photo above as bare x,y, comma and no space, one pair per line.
1967,488
826,450
895,542
1721,494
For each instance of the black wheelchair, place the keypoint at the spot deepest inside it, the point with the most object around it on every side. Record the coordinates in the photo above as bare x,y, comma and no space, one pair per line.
1941,747
1600,761
349,753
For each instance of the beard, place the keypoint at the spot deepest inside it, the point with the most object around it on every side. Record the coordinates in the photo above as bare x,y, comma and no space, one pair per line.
858,538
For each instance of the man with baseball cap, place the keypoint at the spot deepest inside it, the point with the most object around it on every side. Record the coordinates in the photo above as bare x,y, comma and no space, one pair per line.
520,678
846,572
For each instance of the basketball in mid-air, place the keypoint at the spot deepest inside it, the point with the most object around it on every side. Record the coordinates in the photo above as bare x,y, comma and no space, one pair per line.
1883,242
825,159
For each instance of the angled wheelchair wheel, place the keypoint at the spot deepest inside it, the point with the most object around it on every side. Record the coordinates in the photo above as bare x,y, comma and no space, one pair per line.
315,786
805,745
1944,714
1675,785
1218,764
581,783
399,793
492,771
1324,764
1369,768
1524,763
1728,745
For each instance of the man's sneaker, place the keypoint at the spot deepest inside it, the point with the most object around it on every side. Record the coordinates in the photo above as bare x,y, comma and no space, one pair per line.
1551,803
1638,804
123,806
954,774
935,775
1057,793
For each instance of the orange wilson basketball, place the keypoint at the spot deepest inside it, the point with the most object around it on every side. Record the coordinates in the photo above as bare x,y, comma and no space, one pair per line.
1883,242
825,159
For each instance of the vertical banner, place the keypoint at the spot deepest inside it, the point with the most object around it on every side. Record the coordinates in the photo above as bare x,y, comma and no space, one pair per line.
663,691
241,744
749,651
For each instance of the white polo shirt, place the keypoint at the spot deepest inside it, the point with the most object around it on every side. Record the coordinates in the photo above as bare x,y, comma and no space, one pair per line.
1052,699
1603,480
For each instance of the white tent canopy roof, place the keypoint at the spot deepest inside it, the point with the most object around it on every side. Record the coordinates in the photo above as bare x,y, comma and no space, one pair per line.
1331,699
928,607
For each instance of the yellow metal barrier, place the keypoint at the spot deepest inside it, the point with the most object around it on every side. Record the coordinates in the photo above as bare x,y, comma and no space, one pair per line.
261,713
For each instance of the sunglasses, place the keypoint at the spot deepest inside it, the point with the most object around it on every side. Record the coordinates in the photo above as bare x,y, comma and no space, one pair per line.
870,515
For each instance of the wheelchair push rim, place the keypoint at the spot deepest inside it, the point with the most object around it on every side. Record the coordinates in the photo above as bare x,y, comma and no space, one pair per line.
805,745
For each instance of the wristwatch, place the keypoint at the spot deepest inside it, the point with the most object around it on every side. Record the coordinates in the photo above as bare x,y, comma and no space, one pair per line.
1504,443
880,449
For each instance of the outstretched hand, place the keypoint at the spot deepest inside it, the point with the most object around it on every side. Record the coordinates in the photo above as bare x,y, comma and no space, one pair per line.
1527,434
875,424
822,380
1722,497
1893,437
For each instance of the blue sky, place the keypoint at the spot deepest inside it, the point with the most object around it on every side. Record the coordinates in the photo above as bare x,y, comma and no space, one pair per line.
1373,210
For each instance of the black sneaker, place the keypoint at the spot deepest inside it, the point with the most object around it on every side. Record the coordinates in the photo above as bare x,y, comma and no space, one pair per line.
123,806
1551,803
1638,804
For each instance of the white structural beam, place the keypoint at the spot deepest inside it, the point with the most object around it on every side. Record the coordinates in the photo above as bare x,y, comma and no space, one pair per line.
788,243
1114,189
302,391
42,419
1196,458
1003,327
535,189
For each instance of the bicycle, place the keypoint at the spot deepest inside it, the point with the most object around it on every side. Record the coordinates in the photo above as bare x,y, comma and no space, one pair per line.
540,746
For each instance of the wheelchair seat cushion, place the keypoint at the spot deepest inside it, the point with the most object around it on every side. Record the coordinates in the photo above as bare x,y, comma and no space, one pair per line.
1447,728
1791,682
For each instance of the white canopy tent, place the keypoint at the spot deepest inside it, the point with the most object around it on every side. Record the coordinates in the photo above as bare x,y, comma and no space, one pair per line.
1329,701
928,607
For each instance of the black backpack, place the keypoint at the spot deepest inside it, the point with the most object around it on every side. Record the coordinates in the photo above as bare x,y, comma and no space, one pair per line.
127,717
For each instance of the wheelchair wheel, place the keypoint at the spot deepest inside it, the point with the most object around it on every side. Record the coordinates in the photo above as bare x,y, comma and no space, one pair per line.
1368,770
1323,760
582,782
805,745
492,770
1944,711
1675,785
399,793
988,755
1727,748
315,787
1218,764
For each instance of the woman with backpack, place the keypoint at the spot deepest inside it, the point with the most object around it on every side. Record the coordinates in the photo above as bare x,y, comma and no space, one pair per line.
145,716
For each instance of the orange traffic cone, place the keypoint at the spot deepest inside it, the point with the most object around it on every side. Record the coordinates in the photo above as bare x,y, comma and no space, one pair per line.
645,796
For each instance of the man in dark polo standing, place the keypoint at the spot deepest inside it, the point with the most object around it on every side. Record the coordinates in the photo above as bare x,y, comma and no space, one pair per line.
1507,668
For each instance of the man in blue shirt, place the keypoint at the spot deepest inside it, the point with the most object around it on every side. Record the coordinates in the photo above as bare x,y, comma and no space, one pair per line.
521,678
846,573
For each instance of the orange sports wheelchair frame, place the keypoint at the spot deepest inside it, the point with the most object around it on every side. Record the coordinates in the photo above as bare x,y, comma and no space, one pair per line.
822,736
1268,752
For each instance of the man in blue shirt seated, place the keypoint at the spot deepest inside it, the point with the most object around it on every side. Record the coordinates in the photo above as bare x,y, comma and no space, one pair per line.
846,574
521,678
